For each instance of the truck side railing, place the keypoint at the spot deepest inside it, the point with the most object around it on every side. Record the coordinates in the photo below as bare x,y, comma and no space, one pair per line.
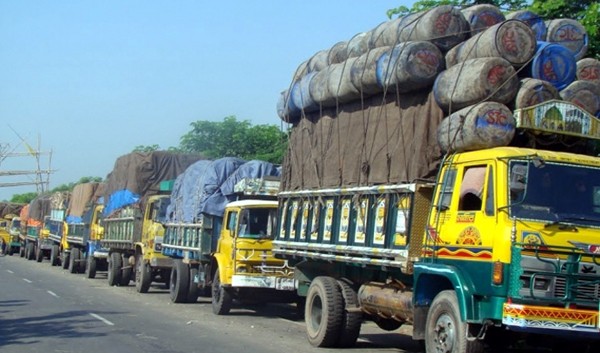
187,240
78,233
55,229
118,229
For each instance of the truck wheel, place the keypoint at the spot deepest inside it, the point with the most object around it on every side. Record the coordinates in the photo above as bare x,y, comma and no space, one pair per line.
180,281
143,277
125,272
74,261
90,269
444,330
114,269
323,314
65,259
221,298
39,254
193,291
30,251
54,255
351,320
10,251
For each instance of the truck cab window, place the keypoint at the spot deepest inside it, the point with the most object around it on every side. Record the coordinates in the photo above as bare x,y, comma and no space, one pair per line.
258,223
231,220
448,181
471,189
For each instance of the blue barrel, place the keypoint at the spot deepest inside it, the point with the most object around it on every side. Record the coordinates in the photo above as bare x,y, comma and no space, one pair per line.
533,20
286,109
482,16
301,93
553,63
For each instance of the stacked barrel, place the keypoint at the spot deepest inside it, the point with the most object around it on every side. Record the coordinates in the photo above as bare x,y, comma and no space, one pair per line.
479,63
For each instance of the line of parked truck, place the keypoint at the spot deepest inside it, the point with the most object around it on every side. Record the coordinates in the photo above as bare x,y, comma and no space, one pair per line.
479,227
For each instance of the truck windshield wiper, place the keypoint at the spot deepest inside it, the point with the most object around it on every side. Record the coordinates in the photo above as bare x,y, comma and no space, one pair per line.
561,225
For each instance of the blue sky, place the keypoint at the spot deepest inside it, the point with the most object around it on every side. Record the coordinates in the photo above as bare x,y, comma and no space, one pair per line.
93,79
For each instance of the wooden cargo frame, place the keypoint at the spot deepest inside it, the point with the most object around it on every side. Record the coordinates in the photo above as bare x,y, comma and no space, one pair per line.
326,224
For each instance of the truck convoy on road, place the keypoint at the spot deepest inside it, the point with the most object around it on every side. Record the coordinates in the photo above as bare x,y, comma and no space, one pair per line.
10,226
441,172
132,217
221,223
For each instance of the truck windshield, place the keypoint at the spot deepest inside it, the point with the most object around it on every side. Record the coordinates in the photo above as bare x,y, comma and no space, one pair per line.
258,223
16,224
555,192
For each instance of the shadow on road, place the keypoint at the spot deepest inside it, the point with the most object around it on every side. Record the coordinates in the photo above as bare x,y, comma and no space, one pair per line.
33,329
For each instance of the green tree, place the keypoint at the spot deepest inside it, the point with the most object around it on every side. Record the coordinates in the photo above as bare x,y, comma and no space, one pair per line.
24,198
585,11
70,186
233,138
148,148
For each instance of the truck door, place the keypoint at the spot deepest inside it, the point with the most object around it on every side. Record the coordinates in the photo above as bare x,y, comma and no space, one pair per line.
465,216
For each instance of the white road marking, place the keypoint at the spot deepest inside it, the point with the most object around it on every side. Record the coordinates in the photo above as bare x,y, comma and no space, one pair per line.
9,271
52,294
26,280
102,319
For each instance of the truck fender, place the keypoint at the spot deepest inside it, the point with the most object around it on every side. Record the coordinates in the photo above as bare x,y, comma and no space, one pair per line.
218,262
431,278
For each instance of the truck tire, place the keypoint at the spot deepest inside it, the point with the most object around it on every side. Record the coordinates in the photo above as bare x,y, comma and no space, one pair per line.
126,272
39,254
90,269
54,255
143,277
114,269
74,261
193,290
324,312
30,251
10,251
65,259
221,298
444,330
351,320
179,283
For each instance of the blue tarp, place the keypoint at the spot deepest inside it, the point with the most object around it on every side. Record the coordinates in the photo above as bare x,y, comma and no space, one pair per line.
120,199
207,187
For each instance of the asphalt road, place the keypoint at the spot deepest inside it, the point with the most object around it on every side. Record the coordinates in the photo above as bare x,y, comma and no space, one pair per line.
46,309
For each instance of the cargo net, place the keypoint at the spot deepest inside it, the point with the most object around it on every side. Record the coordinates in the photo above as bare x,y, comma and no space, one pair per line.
384,106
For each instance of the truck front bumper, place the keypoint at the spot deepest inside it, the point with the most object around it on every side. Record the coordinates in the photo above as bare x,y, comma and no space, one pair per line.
278,283
552,320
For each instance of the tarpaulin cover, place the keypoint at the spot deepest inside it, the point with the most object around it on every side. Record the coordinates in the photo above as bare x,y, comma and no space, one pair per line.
381,140
206,187
10,208
137,175
60,200
81,198
40,207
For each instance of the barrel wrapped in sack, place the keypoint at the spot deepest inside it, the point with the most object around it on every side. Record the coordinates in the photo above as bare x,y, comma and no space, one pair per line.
444,26
569,33
333,85
553,63
511,40
386,34
286,110
482,16
300,93
533,20
533,91
585,94
409,66
338,53
318,61
588,69
475,80
363,72
480,126
358,45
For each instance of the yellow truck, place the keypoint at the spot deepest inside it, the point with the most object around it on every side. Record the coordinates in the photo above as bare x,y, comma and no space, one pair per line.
502,246
223,247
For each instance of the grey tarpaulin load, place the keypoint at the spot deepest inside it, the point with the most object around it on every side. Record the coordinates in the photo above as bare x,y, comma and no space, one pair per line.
40,207
10,208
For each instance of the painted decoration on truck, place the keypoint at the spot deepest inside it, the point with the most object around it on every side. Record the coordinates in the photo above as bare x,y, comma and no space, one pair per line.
304,219
328,220
402,210
469,236
379,236
360,230
344,221
314,224
283,225
293,220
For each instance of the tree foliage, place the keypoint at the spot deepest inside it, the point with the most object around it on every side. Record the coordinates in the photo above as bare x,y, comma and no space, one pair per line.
233,138
147,148
585,11
24,198
71,186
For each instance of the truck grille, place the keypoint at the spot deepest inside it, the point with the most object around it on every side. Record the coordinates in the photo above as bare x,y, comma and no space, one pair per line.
583,289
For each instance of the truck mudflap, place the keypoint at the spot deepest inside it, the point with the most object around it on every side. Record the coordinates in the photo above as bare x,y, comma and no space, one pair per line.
551,320
274,282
